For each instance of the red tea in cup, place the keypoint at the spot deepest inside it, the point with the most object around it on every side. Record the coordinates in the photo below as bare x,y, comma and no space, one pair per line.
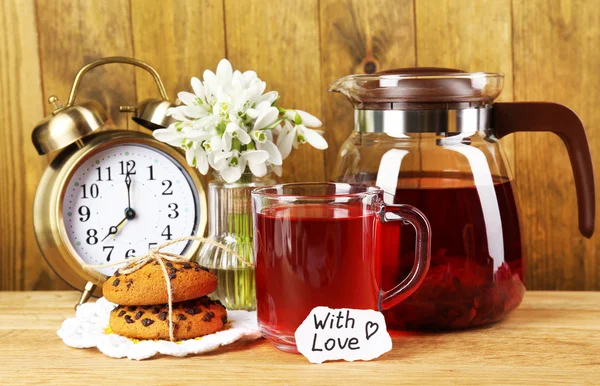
320,245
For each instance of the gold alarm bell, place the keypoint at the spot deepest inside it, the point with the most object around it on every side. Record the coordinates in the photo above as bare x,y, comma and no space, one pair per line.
74,121
116,194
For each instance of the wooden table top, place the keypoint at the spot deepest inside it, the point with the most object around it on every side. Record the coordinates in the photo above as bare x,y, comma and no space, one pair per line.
552,339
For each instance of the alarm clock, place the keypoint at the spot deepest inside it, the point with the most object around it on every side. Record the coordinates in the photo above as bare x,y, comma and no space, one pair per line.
111,195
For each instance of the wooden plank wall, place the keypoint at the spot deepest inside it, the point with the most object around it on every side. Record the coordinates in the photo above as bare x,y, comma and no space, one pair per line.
548,50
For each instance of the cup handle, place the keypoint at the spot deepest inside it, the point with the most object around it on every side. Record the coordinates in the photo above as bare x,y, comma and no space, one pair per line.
417,219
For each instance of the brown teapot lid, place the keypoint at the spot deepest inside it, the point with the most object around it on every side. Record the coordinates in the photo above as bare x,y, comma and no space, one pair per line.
420,87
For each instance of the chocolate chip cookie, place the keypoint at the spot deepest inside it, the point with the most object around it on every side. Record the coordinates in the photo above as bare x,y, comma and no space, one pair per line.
191,319
147,286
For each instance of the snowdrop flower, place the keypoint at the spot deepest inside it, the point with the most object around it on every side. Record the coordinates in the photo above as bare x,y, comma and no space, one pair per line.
215,83
169,135
231,124
264,141
213,145
232,131
195,105
196,156
176,134
277,169
266,118
231,164
291,136
262,136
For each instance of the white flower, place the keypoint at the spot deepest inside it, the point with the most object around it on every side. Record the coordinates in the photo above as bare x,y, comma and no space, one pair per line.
196,156
234,131
303,118
267,117
264,141
214,144
262,136
277,169
195,104
290,135
215,83
231,164
259,109
231,124
169,135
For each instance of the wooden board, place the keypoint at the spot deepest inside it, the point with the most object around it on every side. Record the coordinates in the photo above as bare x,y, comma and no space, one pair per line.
280,41
359,37
552,339
556,58
20,166
180,39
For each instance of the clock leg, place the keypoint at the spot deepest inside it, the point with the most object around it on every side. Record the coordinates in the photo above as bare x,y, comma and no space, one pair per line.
87,293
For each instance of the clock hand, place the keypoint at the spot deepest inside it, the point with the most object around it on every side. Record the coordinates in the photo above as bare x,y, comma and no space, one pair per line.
129,213
128,184
114,229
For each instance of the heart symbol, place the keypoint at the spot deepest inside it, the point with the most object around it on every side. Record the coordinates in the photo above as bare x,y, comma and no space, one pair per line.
370,329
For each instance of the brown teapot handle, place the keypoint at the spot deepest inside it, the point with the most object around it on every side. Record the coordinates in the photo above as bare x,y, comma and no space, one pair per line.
512,117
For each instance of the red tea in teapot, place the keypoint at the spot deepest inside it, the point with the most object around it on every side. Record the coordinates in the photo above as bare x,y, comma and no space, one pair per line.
475,275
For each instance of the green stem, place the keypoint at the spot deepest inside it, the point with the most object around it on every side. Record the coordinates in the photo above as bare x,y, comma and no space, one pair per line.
241,290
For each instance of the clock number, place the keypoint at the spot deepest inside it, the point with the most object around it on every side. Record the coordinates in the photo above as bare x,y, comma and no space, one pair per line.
84,211
173,206
167,232
151,167
99,169
92,239
168,191
109,252
94,191
130,166
152,245
129,253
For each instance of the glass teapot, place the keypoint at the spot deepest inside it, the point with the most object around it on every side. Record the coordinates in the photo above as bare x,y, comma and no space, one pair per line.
429,138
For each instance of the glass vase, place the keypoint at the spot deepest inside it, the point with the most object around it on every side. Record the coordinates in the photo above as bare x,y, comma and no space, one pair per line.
230,224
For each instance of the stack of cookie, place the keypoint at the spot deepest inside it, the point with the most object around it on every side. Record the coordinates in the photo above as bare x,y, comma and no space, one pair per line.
142,297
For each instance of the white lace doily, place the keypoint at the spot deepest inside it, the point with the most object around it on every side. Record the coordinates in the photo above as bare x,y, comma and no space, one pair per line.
89,328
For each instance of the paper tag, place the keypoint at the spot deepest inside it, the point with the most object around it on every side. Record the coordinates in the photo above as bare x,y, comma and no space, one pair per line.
343,333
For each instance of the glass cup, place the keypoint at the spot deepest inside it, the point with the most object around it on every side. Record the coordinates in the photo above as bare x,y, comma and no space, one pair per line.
320,244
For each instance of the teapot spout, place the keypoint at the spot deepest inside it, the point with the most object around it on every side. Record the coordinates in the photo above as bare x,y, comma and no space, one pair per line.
337,85
349,87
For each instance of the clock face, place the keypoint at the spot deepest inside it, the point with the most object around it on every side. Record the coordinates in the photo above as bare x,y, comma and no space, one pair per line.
126,199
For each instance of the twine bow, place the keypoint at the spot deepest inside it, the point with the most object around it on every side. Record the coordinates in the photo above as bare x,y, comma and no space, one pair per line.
160,256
